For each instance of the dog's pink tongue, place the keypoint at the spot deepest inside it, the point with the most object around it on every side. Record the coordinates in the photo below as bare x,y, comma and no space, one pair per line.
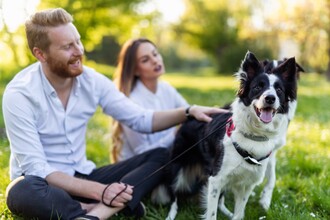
266,116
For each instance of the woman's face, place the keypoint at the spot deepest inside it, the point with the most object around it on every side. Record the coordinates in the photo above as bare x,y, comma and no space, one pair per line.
149,63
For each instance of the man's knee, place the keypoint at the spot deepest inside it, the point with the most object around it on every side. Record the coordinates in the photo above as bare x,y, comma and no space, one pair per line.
21,190
33,197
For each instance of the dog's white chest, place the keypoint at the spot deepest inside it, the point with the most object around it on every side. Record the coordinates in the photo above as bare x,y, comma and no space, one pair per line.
235,170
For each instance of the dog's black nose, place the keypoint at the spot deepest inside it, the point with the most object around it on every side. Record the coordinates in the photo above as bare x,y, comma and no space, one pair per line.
270,99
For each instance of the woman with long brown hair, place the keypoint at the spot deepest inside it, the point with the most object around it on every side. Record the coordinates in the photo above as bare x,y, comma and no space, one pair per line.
138,73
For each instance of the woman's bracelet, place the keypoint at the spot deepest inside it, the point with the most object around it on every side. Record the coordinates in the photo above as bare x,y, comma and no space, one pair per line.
187,111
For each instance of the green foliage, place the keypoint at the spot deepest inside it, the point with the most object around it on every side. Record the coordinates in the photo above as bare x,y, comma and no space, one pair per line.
97,18
311,33
220,30
104,69
232,56
216,29
105,52
302,187
189,61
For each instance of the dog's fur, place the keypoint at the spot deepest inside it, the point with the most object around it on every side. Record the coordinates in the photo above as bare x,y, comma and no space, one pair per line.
259,117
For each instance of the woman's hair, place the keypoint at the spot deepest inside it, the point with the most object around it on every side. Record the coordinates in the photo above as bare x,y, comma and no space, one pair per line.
125,79
36,27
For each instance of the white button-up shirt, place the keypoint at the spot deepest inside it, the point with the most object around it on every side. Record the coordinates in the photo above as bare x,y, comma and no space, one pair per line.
44,137
166,97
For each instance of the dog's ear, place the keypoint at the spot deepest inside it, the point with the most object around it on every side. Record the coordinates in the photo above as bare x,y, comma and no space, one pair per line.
299,68
251,66
287,70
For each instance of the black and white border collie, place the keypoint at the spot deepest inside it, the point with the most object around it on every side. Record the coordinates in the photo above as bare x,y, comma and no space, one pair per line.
235,155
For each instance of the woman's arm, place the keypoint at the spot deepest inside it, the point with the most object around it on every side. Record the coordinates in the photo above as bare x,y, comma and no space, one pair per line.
165,119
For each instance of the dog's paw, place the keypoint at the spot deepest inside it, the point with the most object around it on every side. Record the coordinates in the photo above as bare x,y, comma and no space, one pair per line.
173,211
265,202
228,214
266,198
225,210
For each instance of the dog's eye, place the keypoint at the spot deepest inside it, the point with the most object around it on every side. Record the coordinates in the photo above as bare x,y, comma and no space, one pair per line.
259,86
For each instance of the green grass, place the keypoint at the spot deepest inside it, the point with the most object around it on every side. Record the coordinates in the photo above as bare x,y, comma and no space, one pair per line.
303,184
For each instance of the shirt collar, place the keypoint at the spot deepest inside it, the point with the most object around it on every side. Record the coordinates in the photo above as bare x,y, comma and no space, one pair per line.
49,89
141,87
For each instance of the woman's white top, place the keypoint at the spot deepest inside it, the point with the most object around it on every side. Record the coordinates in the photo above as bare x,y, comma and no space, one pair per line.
166,97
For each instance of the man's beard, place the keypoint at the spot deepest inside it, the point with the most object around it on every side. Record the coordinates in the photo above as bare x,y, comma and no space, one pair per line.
62,69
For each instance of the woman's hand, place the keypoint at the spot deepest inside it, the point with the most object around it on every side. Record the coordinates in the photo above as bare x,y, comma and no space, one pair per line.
202,113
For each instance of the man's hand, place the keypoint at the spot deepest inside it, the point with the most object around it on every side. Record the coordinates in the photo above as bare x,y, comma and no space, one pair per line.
117,194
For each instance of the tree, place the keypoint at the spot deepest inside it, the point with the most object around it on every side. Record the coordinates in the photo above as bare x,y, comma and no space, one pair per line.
307,24
119,19
225,29
12,42
216,27
98,18
327,28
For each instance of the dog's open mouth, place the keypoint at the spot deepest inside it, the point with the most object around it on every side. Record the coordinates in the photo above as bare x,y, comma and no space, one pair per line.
265,114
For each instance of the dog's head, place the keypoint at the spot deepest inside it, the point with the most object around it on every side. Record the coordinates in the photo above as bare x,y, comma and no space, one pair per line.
266,93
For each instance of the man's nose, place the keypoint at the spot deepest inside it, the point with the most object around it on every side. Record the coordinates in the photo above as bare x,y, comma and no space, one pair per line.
79,50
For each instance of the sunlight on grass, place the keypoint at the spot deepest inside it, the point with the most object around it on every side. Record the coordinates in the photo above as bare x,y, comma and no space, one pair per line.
98,138
201,90
312,85
302,188
201,83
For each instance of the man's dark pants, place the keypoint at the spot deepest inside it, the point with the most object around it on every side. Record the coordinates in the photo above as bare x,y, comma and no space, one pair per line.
32,197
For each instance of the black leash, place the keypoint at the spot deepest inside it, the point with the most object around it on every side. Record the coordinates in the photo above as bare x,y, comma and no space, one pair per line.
162,167
172,160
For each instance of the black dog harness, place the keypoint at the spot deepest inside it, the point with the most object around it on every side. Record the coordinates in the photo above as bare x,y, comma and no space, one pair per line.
246,155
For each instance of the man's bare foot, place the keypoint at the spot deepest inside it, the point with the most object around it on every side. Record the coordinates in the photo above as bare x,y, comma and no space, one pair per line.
88,207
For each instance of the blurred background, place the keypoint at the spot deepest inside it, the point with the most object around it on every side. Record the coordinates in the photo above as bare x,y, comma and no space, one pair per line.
191,34
203,38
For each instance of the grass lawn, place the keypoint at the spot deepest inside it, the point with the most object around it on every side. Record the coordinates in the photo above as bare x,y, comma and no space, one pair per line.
303,184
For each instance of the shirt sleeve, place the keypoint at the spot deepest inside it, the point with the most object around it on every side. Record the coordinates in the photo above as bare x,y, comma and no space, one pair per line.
122,109
20,117
139,142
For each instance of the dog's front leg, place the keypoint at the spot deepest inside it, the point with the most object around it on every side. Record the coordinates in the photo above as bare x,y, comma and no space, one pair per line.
223,207
241,196
212,197
267,193
173,211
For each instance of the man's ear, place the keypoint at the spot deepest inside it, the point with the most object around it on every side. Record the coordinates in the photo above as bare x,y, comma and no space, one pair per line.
39,54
